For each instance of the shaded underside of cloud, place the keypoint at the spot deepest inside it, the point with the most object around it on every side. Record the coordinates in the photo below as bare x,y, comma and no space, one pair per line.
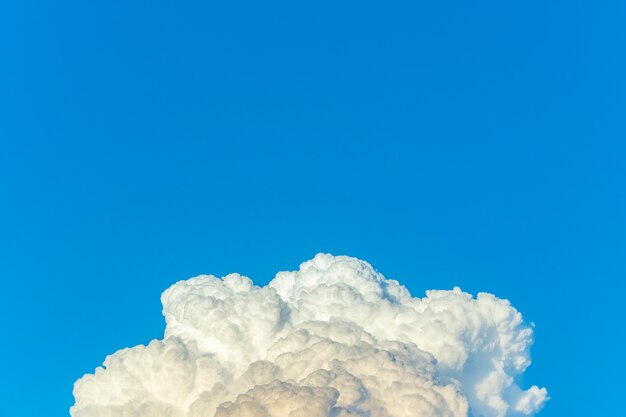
335,338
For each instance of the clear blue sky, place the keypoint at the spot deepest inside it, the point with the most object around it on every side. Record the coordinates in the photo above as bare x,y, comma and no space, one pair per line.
479,144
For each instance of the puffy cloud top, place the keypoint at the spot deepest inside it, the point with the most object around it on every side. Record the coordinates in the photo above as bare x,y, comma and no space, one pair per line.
334,339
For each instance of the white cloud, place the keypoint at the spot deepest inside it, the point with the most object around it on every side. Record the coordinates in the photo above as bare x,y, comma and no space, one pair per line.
333,339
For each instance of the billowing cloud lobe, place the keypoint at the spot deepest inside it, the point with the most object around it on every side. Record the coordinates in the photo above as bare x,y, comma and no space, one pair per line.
333,339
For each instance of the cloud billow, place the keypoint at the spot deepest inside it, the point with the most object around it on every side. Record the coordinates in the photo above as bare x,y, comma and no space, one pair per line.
334,339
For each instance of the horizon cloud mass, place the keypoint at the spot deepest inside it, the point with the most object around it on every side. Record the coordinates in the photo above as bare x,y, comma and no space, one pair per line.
333,339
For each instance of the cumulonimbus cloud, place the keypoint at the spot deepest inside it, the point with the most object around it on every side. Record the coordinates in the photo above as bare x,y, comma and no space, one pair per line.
335,338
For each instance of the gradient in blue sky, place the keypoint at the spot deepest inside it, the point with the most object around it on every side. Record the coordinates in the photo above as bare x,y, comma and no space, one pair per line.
479,144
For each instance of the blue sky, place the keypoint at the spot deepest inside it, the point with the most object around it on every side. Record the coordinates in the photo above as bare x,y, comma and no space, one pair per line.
478,144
